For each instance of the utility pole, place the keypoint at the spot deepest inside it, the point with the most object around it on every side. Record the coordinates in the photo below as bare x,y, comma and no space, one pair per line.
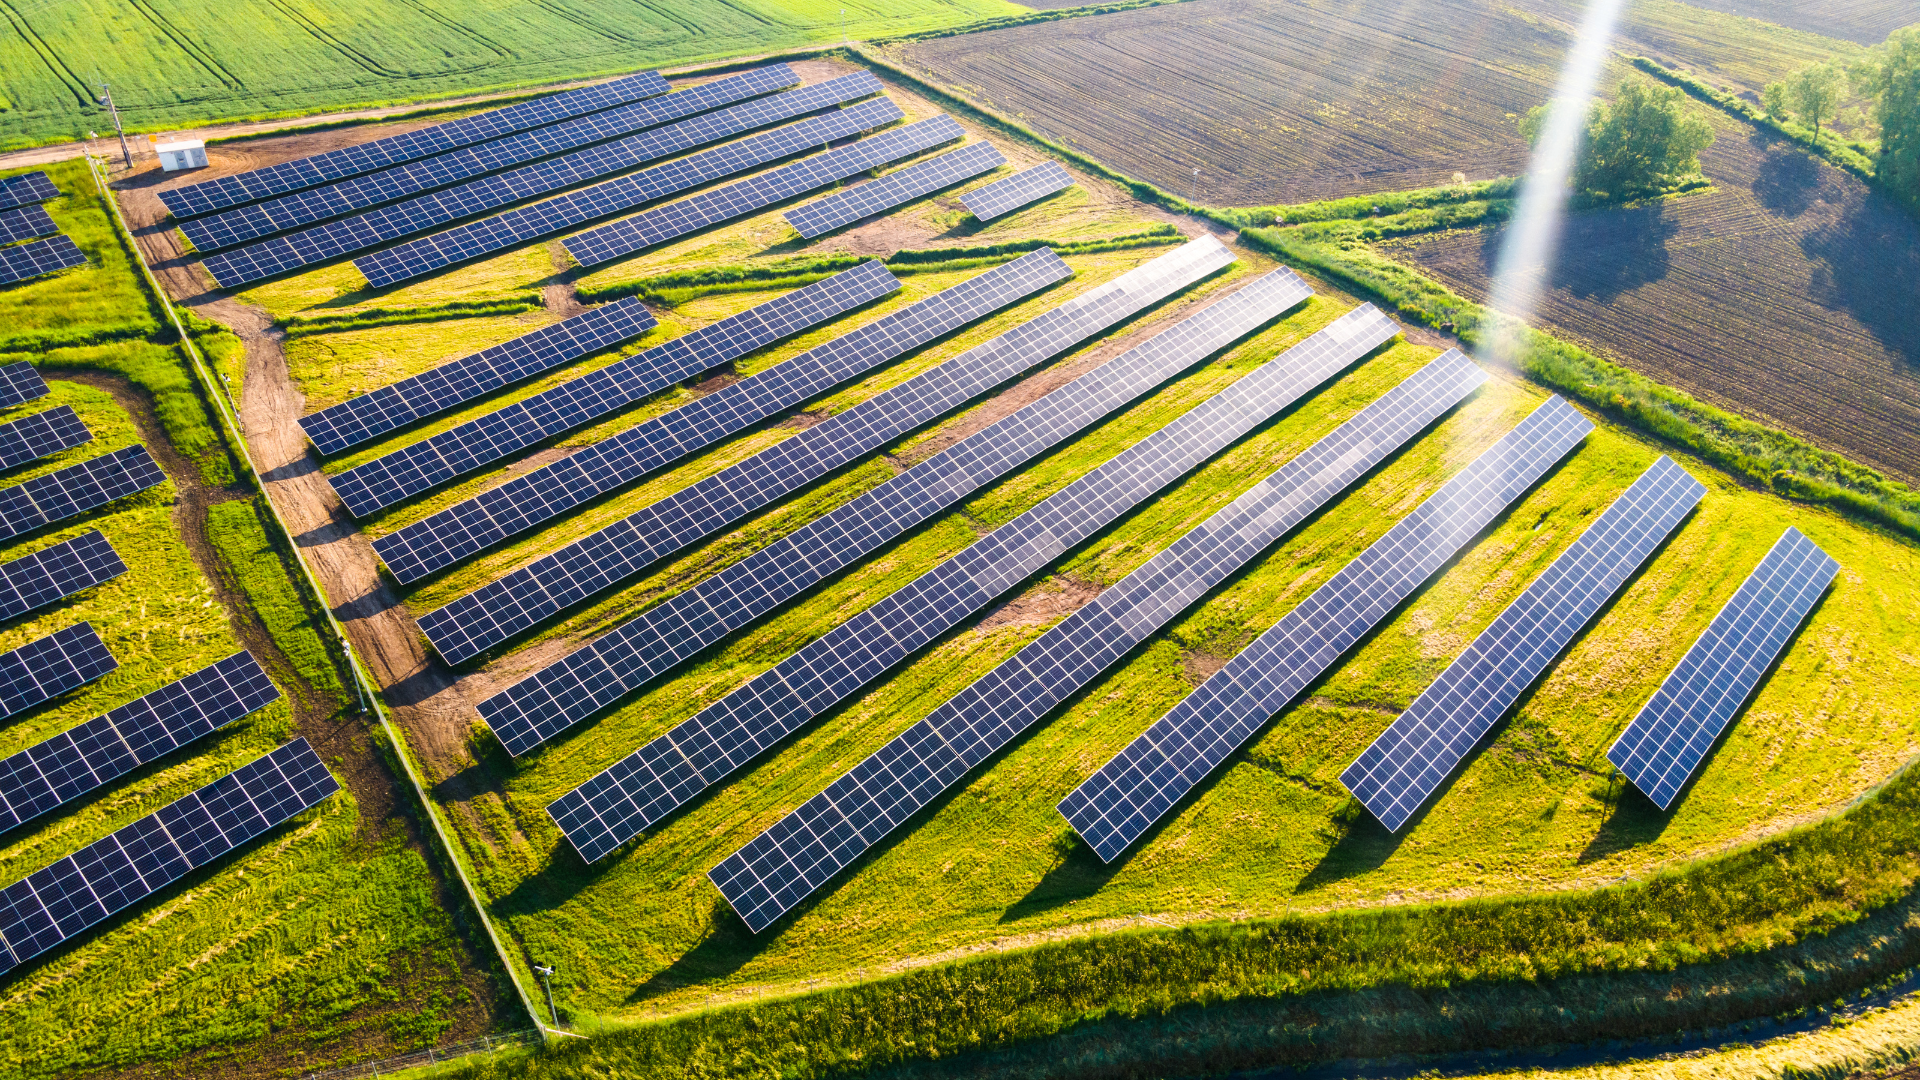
843,27
106,99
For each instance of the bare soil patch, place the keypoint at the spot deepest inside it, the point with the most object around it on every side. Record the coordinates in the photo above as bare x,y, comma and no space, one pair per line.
1054,598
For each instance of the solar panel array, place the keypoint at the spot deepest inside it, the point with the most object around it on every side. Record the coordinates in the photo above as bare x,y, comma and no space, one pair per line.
110,875
564,693
58,571
210,195
77,761
245,223
675,220
771,873
389,479
1670,737
1121,801
497,611
25,261
76,489
20,382
1409,761
375,227
1016,191
543,493
33,437
820,218
372,414
25,223
26,188
43,670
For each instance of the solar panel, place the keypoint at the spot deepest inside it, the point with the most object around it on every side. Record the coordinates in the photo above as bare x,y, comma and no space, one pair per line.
359,419
1664,746
210,195
55,572
1016,191
74,762
245,223
670,222
497,611
26,223
817,219
43,670
40,257
20,382
76,489
26,188
111,875
539,495
33,437
1414,756
426,212
1121,801
414,469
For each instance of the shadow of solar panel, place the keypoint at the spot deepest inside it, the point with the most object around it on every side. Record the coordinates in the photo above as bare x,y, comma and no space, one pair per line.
690,215
59,571
1005,196
894,189
210,195
426,212
1409,761
34,437
543,493
77,761
40,257
497,611
76,489
42,670
292,211
26,188
359,419
417,468
1664,746
20,382
26,223
110,875
1121,801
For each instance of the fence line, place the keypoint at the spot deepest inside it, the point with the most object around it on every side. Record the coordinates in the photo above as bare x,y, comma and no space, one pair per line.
432,1055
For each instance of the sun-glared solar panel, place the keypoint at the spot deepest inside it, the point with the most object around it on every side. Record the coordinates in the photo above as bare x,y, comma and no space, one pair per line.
725,736
20,382
43,670
584,682
34,437
426,212
497,611
1121,801
1413,757
23,261
26,188
767,876
218,194
77,761
241,224
670,222
359,419
525,501
894,189
58,571
387,480
76,489
25,223
1668,740
1016,191
110,875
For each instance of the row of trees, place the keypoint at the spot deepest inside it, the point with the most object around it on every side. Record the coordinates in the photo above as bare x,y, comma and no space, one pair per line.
1888,79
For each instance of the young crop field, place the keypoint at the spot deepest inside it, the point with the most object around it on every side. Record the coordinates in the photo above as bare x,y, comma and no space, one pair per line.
1867,22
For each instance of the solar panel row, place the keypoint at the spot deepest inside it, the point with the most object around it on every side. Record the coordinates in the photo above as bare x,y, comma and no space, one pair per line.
388,223
675,220
414,469
291,211
25,223
112,874
20,382
1664,746
76,489
817,219
218,194
33,437
1409,761
26,188
543,493
372,414
1121,801
497,611
25,261
1016,191
564,693
58,571
43,670
773,872
77,761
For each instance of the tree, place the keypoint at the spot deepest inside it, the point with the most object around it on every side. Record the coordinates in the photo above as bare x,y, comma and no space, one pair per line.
1815,93
1890,76
1644,141
1774,100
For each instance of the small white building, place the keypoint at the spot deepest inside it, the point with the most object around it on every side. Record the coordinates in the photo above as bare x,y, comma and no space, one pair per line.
182,154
